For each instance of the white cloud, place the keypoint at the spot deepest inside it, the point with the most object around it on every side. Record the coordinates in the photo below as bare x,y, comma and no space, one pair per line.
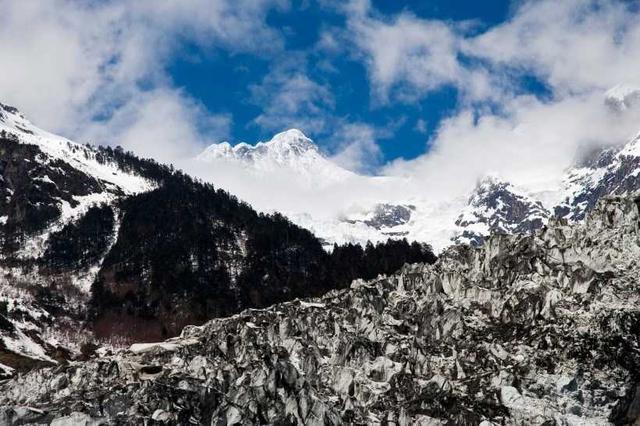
69,64
574,45
357,149
532,145
49,59
577,48
161,124
408,57
289,98
419,53
421,126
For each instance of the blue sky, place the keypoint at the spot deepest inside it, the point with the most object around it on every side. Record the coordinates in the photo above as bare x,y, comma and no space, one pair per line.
454,88
222,80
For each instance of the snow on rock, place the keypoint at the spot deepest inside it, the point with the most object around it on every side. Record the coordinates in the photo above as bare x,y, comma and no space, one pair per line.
138,348
608,171
20,321
496,206
78,156
417,219
490,335
289,151
312,304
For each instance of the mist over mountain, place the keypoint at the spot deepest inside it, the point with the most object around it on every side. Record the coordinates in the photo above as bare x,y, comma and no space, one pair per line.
292,175
97,243
528,329
283,212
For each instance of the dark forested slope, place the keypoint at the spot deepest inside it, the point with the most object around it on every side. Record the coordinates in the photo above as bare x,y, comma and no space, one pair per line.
97,239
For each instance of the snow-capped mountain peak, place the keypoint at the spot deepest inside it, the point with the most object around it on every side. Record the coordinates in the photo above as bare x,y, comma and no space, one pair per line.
499,206
289,152
292,142
286,145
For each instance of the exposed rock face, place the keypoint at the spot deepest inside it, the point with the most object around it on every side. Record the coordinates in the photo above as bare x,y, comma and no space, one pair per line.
538,329
389,215
384,216
96,242
609,172
496,206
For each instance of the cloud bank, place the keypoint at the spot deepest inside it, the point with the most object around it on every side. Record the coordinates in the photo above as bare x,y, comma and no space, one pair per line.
96,71
575,49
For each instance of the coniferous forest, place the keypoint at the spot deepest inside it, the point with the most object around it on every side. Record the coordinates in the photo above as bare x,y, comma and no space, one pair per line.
187,252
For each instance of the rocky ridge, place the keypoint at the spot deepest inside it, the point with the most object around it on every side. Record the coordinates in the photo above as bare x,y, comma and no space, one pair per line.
610,171
96,243
529,329
496,206
287,153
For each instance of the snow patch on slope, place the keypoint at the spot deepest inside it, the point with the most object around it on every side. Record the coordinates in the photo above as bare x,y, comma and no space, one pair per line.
35,246
80,157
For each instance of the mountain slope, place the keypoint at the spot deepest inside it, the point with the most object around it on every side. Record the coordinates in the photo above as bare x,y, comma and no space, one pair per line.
289,151
96,242
494,205
610,171
49,189
539,329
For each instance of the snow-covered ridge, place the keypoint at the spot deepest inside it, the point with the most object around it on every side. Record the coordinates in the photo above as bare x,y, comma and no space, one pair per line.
612,171
289,151
494,205
497,206
288,144
78,156
113,182
75,178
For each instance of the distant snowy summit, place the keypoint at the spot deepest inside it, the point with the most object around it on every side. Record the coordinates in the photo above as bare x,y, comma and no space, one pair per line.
289,151
495,205
285,146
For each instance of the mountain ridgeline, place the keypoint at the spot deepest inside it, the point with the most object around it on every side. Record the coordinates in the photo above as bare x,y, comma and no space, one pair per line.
539,329
186,252
136,250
